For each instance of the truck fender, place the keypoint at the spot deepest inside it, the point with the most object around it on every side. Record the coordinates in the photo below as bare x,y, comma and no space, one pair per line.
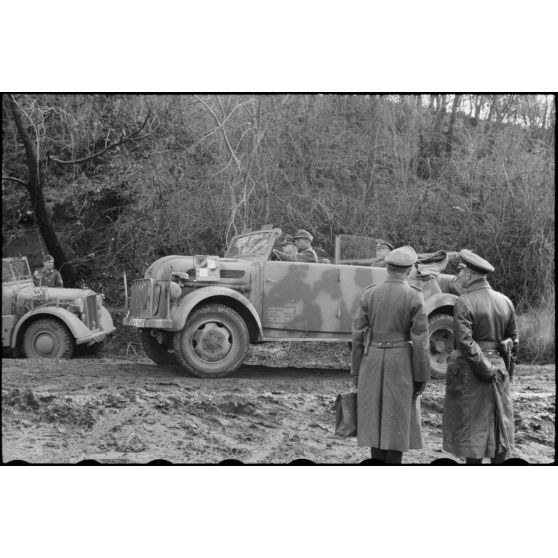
73,323
185,306
438,301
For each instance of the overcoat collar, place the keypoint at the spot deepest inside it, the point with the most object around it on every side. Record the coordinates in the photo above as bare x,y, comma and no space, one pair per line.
477,284
394,279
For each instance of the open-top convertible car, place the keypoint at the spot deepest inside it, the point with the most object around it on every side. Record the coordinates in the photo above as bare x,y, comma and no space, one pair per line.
48,322
203,311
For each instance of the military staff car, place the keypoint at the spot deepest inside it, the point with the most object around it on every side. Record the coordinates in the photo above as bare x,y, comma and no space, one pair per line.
48,322
202,311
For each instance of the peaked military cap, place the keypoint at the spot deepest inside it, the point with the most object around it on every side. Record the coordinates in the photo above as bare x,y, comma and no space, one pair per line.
404,256
287,239
475,263
301,233
48,258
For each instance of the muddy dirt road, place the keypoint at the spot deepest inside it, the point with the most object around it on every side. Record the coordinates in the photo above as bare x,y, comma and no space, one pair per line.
116,410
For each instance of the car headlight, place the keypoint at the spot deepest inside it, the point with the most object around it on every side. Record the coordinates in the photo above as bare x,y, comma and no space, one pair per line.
77,306
175,291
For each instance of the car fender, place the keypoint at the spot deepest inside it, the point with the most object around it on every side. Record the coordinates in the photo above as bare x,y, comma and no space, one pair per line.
185,306
438,301
105,320
73,323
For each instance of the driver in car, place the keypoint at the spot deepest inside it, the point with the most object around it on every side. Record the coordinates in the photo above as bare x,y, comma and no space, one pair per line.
288,251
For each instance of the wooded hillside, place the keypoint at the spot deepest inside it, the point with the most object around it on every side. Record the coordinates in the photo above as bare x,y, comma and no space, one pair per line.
130,178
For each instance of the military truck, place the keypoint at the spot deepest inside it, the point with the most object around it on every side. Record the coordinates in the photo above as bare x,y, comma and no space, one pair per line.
48,322
202,311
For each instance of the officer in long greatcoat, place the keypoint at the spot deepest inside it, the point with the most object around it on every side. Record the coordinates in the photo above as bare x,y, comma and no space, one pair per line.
478,410
390,361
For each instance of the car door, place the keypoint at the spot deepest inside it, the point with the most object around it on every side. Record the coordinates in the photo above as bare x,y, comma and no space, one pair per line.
313,298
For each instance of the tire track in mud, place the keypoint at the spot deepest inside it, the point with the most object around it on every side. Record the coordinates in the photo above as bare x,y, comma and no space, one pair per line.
77,452
134,412
273,442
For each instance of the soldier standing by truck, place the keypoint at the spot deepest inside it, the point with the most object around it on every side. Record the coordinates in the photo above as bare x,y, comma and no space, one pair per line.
478,409
47,276
391,361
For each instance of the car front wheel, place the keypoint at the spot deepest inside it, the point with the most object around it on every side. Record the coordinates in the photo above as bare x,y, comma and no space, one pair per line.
213,342
48,338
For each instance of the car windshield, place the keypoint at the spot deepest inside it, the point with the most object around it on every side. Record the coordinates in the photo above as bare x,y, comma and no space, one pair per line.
361,249
15,270
254,244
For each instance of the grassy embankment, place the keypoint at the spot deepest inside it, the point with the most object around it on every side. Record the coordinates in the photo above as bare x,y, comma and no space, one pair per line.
537,343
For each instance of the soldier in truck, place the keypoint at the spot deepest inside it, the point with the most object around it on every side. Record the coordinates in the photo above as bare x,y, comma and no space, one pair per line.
303,241
288,250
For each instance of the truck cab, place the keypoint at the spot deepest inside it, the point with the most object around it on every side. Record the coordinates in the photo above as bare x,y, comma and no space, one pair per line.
48,322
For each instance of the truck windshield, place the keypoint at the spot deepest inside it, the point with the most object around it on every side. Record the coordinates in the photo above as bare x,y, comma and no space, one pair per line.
15,270
254,244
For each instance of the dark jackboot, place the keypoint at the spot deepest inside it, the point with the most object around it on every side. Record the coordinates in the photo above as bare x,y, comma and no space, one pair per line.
387,456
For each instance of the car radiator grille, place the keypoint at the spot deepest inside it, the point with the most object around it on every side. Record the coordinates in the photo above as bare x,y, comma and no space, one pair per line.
91,315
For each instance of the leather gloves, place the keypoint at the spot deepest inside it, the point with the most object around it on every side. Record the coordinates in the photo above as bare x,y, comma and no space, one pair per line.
355,381
418,388
498,374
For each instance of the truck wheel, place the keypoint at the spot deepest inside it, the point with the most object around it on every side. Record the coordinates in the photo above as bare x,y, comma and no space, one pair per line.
213,343
154,350
440,327
47,338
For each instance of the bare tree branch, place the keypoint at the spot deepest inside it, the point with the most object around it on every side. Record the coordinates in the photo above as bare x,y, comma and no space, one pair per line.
14,179
220,125
134,136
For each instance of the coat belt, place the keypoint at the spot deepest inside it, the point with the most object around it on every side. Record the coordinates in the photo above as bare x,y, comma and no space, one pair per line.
396,343
490,348
488,345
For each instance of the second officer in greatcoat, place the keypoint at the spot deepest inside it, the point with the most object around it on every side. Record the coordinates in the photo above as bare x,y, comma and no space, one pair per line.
478,409
391,361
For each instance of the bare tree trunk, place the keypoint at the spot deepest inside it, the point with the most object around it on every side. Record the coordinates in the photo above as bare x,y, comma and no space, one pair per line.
545,112
550,139
449,142
368,188
478,107
438,125
34,186
492,125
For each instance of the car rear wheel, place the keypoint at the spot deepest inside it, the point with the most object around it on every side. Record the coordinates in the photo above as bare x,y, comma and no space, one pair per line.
441,337
156,351
48,338
213,343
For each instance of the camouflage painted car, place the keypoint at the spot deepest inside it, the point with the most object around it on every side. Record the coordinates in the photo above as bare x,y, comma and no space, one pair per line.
48,322
203,311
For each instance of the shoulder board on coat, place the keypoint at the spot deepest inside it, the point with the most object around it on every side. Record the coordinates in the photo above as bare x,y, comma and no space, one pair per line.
416,287
370,286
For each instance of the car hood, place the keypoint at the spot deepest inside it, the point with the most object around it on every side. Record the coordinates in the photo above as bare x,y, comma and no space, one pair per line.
52,294
161,268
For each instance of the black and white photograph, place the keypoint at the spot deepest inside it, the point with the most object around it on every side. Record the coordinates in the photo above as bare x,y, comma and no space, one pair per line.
278,278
